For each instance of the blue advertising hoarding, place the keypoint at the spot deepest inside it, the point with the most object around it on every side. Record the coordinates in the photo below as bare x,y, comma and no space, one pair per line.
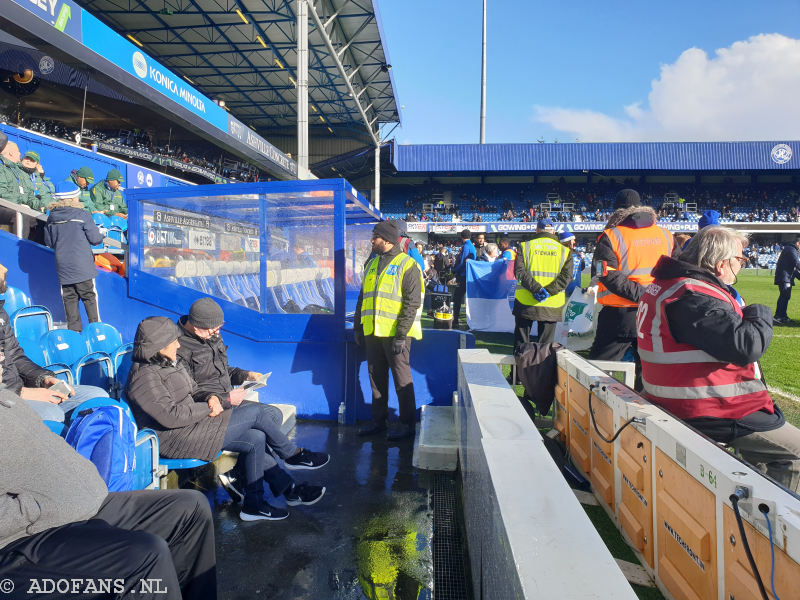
140,177
101,39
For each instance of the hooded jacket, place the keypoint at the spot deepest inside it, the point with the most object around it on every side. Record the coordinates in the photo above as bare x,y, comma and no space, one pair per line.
45,482
71,232
160,393
207,363
18,370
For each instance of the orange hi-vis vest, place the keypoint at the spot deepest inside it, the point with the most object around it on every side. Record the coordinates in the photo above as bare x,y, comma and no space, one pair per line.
685,380
637,252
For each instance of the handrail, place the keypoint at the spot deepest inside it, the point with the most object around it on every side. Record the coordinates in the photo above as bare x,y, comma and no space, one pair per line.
24,209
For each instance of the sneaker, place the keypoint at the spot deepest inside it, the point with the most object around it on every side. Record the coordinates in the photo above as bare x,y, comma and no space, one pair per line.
305,459
232,485
304,493
261,511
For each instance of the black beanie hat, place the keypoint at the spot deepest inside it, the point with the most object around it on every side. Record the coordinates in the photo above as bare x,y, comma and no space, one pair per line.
206,314
387,230
627,198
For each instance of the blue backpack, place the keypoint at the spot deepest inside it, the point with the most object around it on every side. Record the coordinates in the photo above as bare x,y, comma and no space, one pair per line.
106,435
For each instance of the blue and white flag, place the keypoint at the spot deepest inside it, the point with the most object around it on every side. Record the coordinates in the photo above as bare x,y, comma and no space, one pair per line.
490,295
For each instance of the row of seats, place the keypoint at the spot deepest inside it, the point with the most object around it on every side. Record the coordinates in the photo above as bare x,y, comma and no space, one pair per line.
113,227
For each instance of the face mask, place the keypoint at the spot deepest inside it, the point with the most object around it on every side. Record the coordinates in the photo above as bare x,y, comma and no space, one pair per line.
28,169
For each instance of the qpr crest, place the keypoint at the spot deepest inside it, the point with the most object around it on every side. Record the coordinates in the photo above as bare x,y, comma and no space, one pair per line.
781,154
46,65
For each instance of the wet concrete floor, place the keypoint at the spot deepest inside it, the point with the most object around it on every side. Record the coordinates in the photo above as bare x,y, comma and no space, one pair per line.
369,537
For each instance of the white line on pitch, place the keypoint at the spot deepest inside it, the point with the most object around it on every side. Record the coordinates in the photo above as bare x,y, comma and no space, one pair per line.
783,394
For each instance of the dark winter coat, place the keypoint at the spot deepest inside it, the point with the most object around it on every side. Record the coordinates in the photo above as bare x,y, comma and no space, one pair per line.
468,252
18,370
788,266
160,394
207,364
71,232
713,326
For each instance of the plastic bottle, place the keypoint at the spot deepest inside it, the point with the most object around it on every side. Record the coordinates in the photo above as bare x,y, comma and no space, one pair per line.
342,413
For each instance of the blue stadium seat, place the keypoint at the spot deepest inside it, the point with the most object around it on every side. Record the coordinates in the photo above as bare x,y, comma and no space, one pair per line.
31,322
14,300
68,347
101,337
123,361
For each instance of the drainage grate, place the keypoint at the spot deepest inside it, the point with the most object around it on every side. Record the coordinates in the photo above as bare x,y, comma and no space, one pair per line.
450,580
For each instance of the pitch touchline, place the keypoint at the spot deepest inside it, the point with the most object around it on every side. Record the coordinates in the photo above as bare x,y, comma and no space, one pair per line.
786,395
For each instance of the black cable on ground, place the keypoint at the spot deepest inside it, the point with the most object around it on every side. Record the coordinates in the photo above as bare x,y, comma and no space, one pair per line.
734,498
594,423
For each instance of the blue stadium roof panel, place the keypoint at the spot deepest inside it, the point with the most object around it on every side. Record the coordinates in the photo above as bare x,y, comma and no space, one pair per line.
642,156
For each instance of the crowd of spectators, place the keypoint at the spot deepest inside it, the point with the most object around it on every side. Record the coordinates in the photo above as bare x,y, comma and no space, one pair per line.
198,154
564,201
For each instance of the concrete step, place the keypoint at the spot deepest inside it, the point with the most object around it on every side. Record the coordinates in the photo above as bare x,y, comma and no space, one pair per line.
436,447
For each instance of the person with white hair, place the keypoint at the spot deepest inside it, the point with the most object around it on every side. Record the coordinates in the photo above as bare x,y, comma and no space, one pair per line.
700,349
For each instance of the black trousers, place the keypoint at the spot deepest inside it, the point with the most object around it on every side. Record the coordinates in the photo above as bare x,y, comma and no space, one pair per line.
380,360
522,331
459,293
616,333
70,294
149,544
784,294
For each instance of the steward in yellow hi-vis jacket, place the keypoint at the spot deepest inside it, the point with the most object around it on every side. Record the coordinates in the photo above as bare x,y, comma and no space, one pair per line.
387,316
543,268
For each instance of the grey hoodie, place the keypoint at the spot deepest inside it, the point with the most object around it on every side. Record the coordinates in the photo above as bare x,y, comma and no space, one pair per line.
44,483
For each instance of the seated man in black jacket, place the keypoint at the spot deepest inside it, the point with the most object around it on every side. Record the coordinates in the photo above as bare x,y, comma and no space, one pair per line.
205,357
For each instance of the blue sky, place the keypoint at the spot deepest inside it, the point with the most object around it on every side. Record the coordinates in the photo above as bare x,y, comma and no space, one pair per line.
559,70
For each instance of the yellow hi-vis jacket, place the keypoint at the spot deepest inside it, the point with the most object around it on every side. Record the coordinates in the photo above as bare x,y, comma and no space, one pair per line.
382,297
544,257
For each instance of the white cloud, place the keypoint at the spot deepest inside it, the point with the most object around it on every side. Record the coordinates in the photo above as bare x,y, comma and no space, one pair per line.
747,91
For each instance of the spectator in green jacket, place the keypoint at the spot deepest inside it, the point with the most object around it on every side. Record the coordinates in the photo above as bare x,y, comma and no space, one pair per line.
107,195
38,193
84,178
10,176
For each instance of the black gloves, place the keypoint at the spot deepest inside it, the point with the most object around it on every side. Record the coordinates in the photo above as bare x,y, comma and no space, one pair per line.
398,345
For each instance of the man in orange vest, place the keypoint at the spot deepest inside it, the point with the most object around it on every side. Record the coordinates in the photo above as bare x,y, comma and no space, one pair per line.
626,252
700,348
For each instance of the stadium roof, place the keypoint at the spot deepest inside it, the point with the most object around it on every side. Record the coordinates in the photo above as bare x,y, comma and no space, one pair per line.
245,53
644,156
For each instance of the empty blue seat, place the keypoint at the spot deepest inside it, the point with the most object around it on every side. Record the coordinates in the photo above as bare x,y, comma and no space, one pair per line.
101,337
123,361
14,300
88,368
31,322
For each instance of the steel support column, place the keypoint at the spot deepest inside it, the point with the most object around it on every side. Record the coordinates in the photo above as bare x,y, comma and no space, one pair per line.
376,194
302,89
